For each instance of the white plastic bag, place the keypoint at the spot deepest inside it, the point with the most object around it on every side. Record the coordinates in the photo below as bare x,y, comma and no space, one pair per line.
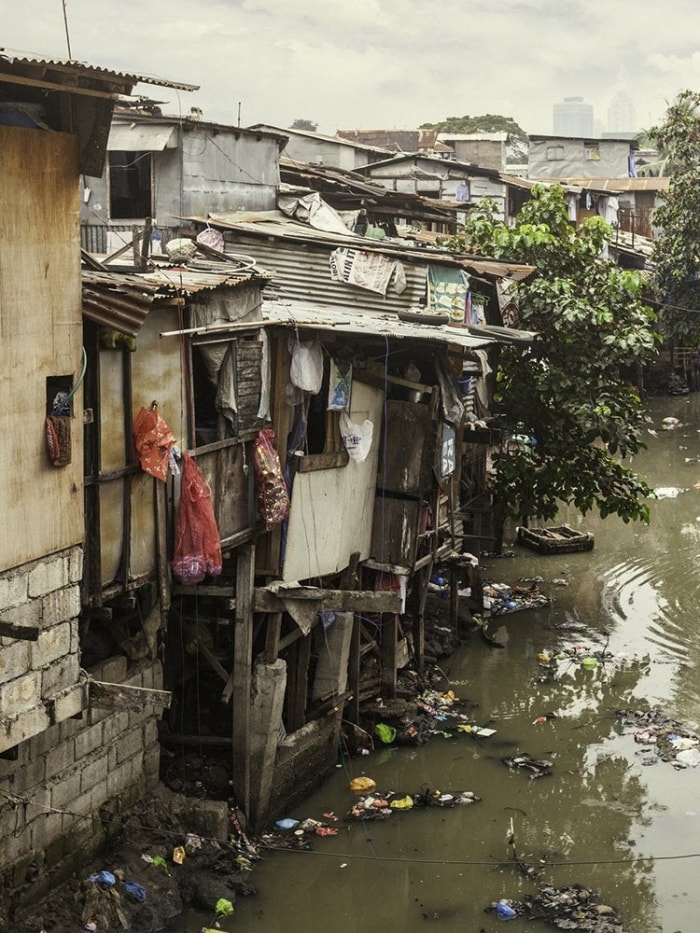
306,370
357,438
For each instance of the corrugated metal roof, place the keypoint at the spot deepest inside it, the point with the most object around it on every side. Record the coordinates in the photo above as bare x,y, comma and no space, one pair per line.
367,323
9,57
653,183
121,301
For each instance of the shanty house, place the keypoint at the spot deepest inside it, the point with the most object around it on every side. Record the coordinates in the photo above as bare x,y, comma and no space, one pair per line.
161,168
318,149
575,157
59,762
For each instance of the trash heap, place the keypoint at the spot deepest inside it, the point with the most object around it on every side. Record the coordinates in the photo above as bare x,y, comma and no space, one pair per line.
535,767
380,806
501,599
664,739
570,907
432,713
562,658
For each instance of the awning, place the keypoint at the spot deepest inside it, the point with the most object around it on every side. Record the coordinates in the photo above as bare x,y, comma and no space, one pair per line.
141,137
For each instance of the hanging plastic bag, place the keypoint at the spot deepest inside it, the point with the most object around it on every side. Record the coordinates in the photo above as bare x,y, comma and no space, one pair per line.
197,548
357,438
153,439
271,488
212,238
306,370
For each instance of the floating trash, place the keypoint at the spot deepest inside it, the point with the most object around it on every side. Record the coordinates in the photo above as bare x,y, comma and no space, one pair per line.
538,767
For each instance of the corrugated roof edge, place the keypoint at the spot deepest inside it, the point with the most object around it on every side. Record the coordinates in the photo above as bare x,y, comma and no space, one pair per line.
12,56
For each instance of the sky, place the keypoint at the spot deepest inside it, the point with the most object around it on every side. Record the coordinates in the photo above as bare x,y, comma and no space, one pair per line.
378,64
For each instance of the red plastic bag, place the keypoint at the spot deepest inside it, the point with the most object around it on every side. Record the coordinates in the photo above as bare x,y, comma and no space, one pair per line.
197,547
153,439
271,489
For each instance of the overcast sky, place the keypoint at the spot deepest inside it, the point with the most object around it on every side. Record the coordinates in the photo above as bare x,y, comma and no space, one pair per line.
368,64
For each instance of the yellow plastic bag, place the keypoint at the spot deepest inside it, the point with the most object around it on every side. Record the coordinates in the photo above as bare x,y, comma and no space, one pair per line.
404,803
362,785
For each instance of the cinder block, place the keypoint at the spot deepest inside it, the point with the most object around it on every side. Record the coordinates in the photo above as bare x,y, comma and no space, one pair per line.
48,575
21,694
44,742
14,660
110,671
63,673
88,740
93,769
75,572
53,643
129,745
61,605
29,776
26,614
114,727
65,789
71,702
119,779
59,759
13,588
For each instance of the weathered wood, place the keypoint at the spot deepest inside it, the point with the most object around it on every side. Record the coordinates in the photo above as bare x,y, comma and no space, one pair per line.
160,493
205,741
325,461
336,600
124,697
242,674
297,684
350,580
21,632
390,627
272,637
226,591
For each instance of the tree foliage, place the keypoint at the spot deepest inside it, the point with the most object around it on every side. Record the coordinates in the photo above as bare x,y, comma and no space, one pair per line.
301,123
486,123
677,245
571,388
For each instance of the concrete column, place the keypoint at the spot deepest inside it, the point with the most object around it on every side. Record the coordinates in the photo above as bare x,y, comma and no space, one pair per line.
268,688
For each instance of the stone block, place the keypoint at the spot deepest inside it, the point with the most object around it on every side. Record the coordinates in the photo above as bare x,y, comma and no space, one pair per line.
43,743
130,744
21,694
75,571
71,702
48,575
88,740
22,726
61,605
210,818
93,769
59,759
110,671
26,614
29,776
63,673
13,588
114,727
53,643
14,660
65,789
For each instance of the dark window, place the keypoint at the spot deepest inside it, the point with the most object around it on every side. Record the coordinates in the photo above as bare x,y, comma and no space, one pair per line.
130,195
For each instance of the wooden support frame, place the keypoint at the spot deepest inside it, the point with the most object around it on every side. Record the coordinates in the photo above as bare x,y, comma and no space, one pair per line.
336,600
241,675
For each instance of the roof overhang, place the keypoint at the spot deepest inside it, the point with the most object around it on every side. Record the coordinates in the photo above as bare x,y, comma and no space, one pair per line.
141,137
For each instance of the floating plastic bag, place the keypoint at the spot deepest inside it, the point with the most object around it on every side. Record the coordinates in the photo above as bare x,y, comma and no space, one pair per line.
385,733
271,488
154,440
401,803
362,785
306,370
223,907
197,547
357,438
505,911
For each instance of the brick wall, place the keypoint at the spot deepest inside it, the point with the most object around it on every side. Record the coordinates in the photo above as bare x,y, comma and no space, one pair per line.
67,771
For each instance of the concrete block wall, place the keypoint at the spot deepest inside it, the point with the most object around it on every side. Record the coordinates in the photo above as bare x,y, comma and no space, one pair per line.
67,770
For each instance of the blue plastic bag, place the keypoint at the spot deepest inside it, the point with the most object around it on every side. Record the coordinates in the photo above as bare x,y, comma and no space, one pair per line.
505,911
136,890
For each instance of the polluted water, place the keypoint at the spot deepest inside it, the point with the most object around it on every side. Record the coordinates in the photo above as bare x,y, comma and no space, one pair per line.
584,811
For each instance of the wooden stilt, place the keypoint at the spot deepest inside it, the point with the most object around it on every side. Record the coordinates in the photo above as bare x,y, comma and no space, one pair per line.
390,625
242,672
297,684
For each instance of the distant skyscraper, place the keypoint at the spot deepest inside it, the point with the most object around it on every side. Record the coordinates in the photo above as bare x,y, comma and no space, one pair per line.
621,117
573,117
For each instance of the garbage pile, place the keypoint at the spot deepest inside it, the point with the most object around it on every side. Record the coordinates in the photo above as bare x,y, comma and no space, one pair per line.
664,739
570,907
380,806
501,599
536,767
432,713
562,658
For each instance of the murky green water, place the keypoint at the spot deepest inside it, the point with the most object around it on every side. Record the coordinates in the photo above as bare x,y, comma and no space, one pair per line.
602,819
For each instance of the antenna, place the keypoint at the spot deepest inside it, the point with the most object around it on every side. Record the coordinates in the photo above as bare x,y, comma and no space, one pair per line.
239,113
65,23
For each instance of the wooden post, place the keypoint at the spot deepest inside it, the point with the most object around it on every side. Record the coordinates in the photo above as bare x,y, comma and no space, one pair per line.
297,684
390,626
272,637
241,674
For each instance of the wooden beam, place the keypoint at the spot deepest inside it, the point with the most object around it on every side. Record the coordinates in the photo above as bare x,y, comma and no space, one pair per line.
297,684
337,600
242,674
390,630
124,697
21,632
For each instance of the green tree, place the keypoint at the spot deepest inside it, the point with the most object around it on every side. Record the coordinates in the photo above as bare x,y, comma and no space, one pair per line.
486,123
677,245
303,124
570,389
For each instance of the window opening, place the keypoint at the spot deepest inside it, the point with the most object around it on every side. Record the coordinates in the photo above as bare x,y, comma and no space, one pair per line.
130,189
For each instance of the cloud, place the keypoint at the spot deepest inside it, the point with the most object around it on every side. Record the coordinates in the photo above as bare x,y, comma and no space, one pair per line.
381,63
